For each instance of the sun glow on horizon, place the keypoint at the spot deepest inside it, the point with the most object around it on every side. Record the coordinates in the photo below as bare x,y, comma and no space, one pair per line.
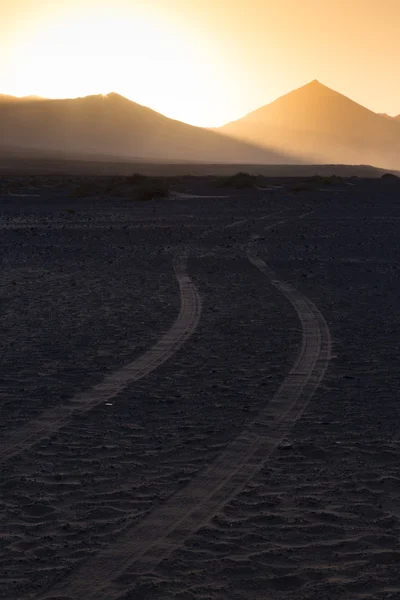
150,61
201,61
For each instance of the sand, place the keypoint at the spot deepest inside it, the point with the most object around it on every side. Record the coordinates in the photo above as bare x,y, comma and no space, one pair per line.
199,396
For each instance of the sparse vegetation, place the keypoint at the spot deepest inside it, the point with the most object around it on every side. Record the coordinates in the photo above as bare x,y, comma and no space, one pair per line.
302,187
239,181
324,180
135,187
151,190
312,183
389,176
137,178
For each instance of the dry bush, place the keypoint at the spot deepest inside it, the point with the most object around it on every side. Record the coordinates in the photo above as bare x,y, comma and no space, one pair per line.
239,181
313,183
389,177
137,179
302,186
134,187
151,190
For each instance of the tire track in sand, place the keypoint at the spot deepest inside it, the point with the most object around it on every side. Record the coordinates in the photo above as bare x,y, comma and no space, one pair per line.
50,421
143,546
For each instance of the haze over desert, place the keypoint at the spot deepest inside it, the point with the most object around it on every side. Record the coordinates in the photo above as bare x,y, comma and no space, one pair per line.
310,125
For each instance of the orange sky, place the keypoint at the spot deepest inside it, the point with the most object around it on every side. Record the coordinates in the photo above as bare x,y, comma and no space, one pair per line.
205,62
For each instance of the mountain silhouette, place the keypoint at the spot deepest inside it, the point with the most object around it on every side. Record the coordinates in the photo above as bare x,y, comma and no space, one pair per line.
113,125
322,126
7,98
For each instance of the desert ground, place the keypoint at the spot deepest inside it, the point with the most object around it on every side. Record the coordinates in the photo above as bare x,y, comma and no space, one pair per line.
199,394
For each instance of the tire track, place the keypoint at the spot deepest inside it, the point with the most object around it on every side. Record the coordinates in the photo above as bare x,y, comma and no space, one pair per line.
143,546
53,419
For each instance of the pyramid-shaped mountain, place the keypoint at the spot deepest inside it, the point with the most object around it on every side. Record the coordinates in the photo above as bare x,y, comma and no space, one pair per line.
323,126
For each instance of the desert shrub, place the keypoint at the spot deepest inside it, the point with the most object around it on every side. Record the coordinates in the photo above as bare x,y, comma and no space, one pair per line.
313,183
318,180
331,180
239,181
98,186
302,187
136,187
389,177
136,179
151,190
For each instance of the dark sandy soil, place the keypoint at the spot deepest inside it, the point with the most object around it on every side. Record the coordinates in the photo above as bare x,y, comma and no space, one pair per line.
158,439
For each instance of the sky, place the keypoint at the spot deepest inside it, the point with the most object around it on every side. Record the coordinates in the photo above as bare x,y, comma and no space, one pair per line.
204,62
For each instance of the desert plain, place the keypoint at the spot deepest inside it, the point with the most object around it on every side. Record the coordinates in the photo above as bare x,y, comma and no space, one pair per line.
199,393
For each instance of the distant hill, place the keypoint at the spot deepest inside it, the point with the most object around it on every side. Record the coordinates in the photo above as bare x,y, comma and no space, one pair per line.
7,98
323,126
114,126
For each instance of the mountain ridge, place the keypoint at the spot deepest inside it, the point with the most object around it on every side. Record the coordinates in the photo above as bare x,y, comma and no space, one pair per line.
311,124
114,125
10,98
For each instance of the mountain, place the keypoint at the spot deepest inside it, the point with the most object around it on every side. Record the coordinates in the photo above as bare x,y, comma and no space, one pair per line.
322,126
113,125
7,98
